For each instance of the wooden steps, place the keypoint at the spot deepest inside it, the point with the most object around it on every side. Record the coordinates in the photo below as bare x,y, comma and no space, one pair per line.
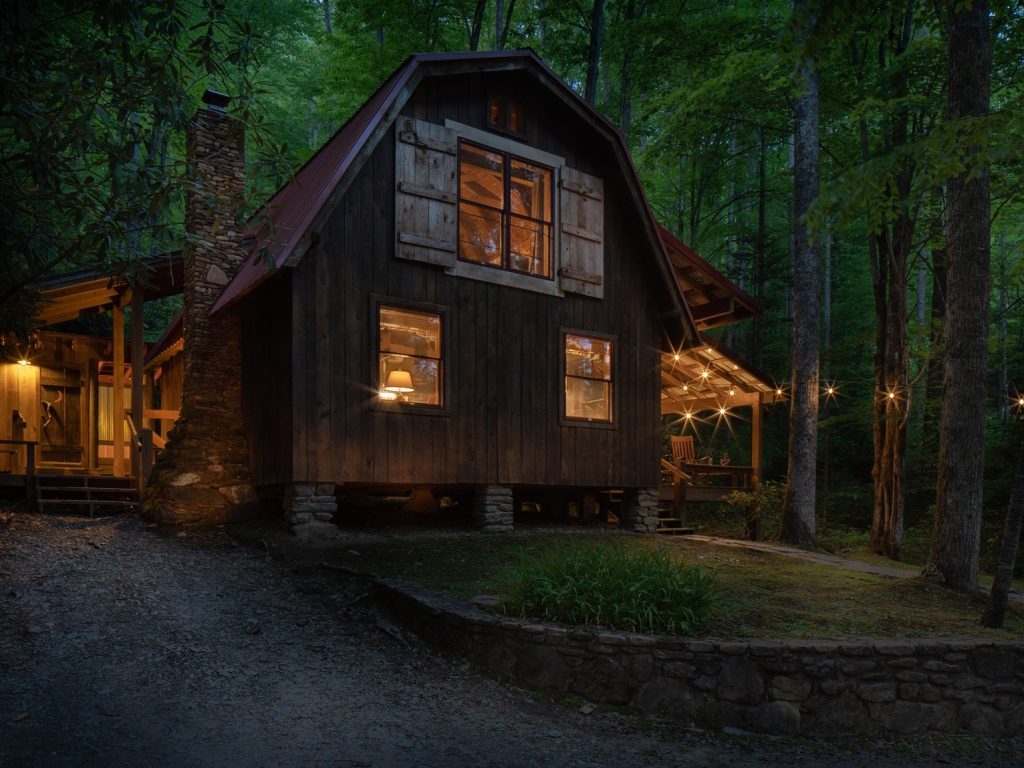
92,494
668,523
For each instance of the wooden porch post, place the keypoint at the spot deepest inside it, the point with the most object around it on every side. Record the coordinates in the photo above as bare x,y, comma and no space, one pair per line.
755,447
117,391
138,355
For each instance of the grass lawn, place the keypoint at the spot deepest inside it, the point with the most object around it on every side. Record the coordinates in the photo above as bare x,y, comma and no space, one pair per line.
759,594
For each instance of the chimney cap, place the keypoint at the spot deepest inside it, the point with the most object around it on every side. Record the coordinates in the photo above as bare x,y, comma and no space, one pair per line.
216,100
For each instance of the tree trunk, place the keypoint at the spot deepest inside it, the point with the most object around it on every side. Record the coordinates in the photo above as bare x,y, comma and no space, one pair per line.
478,23
760,248
996,608
505,25
798,508
1003,402
956,536
499,8
936,347
625,100
328,27
594,55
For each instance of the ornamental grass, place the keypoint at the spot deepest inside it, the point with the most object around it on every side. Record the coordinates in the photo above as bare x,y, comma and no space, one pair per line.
610,586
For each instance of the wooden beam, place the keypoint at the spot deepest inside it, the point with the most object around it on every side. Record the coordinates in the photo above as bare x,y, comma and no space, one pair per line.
161,414
117,392
138,356
713,309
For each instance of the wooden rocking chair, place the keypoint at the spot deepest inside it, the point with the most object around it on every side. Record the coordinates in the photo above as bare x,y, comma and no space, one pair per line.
682,451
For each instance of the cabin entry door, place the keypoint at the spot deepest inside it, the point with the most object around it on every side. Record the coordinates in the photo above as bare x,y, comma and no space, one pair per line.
60,417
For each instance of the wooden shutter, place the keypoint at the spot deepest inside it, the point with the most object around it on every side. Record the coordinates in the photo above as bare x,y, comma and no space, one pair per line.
426,195
581,269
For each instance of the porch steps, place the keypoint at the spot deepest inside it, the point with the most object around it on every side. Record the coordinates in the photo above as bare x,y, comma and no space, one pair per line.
91,494
668,525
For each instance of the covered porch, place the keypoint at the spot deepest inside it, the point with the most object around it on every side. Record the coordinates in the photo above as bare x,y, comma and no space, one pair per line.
708,390
77,405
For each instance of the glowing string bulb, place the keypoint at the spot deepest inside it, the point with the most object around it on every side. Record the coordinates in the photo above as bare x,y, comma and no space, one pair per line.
705,373
722,410
676,357
892,395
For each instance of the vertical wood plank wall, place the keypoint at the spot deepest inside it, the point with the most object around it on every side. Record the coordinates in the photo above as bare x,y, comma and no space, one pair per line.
503,348
267,380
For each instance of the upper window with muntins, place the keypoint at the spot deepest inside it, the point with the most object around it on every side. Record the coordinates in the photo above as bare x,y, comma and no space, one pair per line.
505,211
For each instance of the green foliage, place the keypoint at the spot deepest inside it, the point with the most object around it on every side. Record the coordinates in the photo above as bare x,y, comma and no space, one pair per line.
766,502
609,585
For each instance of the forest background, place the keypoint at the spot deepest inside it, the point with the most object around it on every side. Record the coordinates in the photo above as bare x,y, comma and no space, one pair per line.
95,96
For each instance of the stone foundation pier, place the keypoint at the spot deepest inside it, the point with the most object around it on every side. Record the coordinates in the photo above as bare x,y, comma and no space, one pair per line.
309,509
639,510
493,509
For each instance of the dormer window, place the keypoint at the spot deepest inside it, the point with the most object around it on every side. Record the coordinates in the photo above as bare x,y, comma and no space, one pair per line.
506,115
505,211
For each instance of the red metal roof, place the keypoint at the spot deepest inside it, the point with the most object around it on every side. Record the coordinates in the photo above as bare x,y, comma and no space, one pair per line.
294,207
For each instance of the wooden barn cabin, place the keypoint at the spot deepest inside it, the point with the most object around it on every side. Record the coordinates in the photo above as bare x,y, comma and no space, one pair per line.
464,294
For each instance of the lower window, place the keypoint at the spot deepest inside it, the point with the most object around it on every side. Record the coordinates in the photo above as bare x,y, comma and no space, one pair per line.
588,378
410,364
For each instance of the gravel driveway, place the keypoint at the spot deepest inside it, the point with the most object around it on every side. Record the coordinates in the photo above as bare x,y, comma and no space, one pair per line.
120,647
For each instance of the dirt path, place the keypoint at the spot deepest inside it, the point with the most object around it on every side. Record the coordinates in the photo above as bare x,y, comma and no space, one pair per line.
823,558
119,647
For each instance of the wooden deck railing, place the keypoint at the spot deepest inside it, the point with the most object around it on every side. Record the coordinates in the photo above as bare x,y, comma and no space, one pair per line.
30,469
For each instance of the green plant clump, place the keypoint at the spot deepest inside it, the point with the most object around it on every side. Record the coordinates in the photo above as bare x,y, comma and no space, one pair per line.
607,585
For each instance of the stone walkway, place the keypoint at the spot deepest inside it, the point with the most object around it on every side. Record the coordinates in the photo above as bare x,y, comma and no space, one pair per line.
119,647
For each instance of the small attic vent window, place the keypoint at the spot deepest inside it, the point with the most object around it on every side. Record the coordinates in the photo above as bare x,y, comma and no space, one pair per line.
506,115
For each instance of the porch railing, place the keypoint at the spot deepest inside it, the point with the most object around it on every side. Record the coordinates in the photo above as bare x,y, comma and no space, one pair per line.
30,469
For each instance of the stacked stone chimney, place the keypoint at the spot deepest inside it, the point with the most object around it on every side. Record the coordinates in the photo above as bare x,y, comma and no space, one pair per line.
202,476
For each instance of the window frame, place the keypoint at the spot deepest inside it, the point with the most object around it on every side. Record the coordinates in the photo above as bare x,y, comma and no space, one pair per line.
575,421
506,212
444,387
472,270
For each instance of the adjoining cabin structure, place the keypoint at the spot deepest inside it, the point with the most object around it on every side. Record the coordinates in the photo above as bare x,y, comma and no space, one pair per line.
464,291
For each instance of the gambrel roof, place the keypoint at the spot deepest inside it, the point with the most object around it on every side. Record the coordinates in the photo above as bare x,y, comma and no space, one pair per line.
283,229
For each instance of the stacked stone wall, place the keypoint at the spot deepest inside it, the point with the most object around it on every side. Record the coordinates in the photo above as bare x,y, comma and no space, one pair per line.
786,687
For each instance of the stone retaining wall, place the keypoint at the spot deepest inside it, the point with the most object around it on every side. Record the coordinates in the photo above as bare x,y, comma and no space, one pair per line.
788,687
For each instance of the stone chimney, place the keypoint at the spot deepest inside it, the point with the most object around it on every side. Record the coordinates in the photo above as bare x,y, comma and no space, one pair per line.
202,476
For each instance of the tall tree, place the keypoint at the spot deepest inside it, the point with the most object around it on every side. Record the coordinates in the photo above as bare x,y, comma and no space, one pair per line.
594,54
957,532
996,609
798,524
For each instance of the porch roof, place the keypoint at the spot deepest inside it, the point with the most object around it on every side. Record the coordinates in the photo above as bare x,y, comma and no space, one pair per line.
711,376
88,291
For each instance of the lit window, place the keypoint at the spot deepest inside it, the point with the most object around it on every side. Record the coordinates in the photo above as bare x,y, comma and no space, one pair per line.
410,363
505,211
588,378
506,115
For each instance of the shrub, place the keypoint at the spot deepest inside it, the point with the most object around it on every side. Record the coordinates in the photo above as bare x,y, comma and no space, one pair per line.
611,586
768,499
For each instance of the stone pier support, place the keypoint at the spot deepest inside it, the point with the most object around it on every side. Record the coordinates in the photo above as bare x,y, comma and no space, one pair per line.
639,510
493,508
309,509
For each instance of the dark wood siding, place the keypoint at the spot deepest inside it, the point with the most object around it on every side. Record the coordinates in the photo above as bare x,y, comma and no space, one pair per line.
267,381
502,423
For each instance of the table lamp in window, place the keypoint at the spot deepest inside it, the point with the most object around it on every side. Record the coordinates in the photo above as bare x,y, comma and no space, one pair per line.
399,382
